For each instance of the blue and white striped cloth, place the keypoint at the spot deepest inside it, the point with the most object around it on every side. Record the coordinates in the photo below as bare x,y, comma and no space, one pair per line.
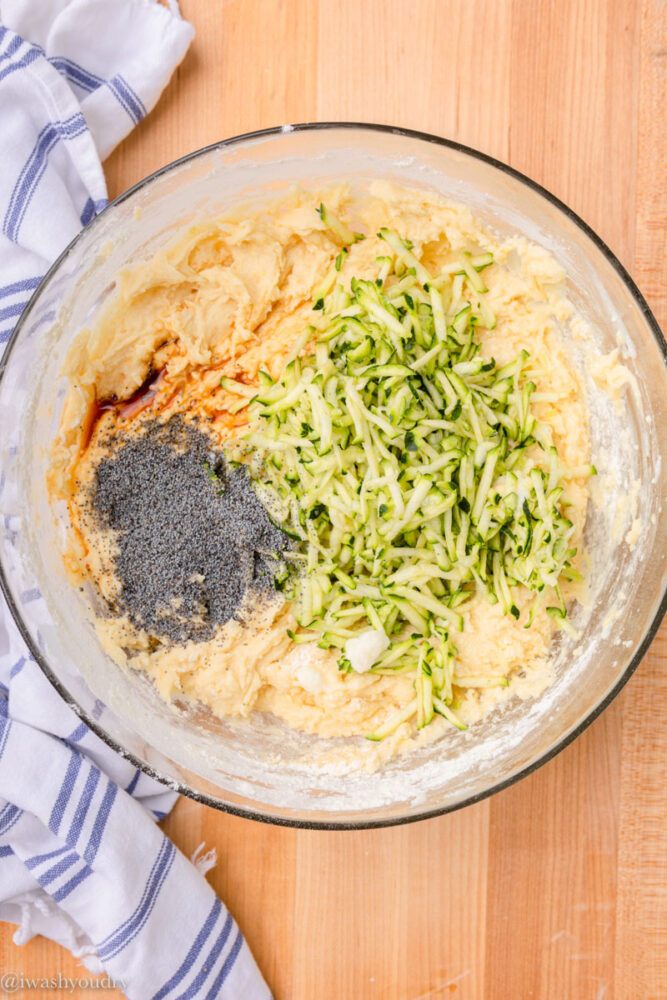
82,860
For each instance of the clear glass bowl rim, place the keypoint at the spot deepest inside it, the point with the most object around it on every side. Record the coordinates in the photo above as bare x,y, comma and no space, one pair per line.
637,655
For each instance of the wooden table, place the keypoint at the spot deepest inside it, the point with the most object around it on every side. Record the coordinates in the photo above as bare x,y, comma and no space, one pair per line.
554,889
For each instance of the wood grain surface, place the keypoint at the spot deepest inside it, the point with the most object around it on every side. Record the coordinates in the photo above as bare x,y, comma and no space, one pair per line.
555,889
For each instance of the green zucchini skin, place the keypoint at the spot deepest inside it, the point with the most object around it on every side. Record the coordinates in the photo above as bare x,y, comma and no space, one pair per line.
408,468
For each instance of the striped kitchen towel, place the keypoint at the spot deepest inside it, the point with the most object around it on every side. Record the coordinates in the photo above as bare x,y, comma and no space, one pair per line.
82,860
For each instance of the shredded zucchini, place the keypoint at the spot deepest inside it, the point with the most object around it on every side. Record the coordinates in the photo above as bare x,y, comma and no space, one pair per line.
409,469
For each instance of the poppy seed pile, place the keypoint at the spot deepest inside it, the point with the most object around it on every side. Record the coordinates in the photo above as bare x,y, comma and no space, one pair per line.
191,536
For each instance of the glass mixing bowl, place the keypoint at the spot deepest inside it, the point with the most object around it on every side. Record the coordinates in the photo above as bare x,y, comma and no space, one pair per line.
258,767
